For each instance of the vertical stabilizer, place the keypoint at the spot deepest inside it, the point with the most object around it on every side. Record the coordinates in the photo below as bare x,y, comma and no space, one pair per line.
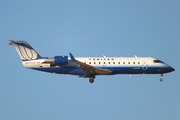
25,51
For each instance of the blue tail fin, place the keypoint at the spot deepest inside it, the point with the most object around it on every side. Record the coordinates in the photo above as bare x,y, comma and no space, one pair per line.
25,51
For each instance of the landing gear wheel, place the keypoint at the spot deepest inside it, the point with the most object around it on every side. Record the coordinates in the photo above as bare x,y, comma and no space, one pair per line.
91,80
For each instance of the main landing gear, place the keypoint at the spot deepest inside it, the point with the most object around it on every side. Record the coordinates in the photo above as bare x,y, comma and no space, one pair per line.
161,79
91,79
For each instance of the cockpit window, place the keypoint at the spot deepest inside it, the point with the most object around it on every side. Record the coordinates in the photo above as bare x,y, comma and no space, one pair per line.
157,61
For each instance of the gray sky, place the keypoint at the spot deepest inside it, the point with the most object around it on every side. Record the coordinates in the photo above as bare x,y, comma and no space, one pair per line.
90,28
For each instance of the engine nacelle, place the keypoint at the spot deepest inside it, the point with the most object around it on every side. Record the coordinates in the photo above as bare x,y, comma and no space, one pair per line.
57,60
60,60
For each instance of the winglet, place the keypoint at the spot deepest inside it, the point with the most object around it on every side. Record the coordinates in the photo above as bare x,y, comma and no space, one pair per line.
72,57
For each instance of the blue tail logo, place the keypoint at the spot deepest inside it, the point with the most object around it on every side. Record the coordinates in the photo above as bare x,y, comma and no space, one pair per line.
25,51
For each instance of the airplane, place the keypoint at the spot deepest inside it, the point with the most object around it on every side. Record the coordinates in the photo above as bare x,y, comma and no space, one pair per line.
89,67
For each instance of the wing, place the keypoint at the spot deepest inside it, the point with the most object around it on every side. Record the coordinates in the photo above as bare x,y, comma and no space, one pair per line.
88,69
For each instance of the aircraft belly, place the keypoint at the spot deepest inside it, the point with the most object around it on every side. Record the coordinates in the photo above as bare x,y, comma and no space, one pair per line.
57,70
76,72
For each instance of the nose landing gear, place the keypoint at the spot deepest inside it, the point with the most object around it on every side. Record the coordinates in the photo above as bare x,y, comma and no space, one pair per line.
161,79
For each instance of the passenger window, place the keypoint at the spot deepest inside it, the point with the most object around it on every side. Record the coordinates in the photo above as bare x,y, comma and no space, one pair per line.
138,62
128,62
94,62
89,62
118,62
109,62
99,62
133,62
123,62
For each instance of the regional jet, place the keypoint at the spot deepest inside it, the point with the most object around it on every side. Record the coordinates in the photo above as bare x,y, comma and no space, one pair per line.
89,67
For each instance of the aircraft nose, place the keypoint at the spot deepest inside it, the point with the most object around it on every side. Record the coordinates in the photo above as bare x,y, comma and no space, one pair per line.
172,69
169,69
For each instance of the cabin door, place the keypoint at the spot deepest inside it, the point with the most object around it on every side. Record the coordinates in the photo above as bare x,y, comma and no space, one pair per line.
144,65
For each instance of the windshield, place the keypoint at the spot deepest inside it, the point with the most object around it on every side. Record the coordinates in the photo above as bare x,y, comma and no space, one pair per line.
157,61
